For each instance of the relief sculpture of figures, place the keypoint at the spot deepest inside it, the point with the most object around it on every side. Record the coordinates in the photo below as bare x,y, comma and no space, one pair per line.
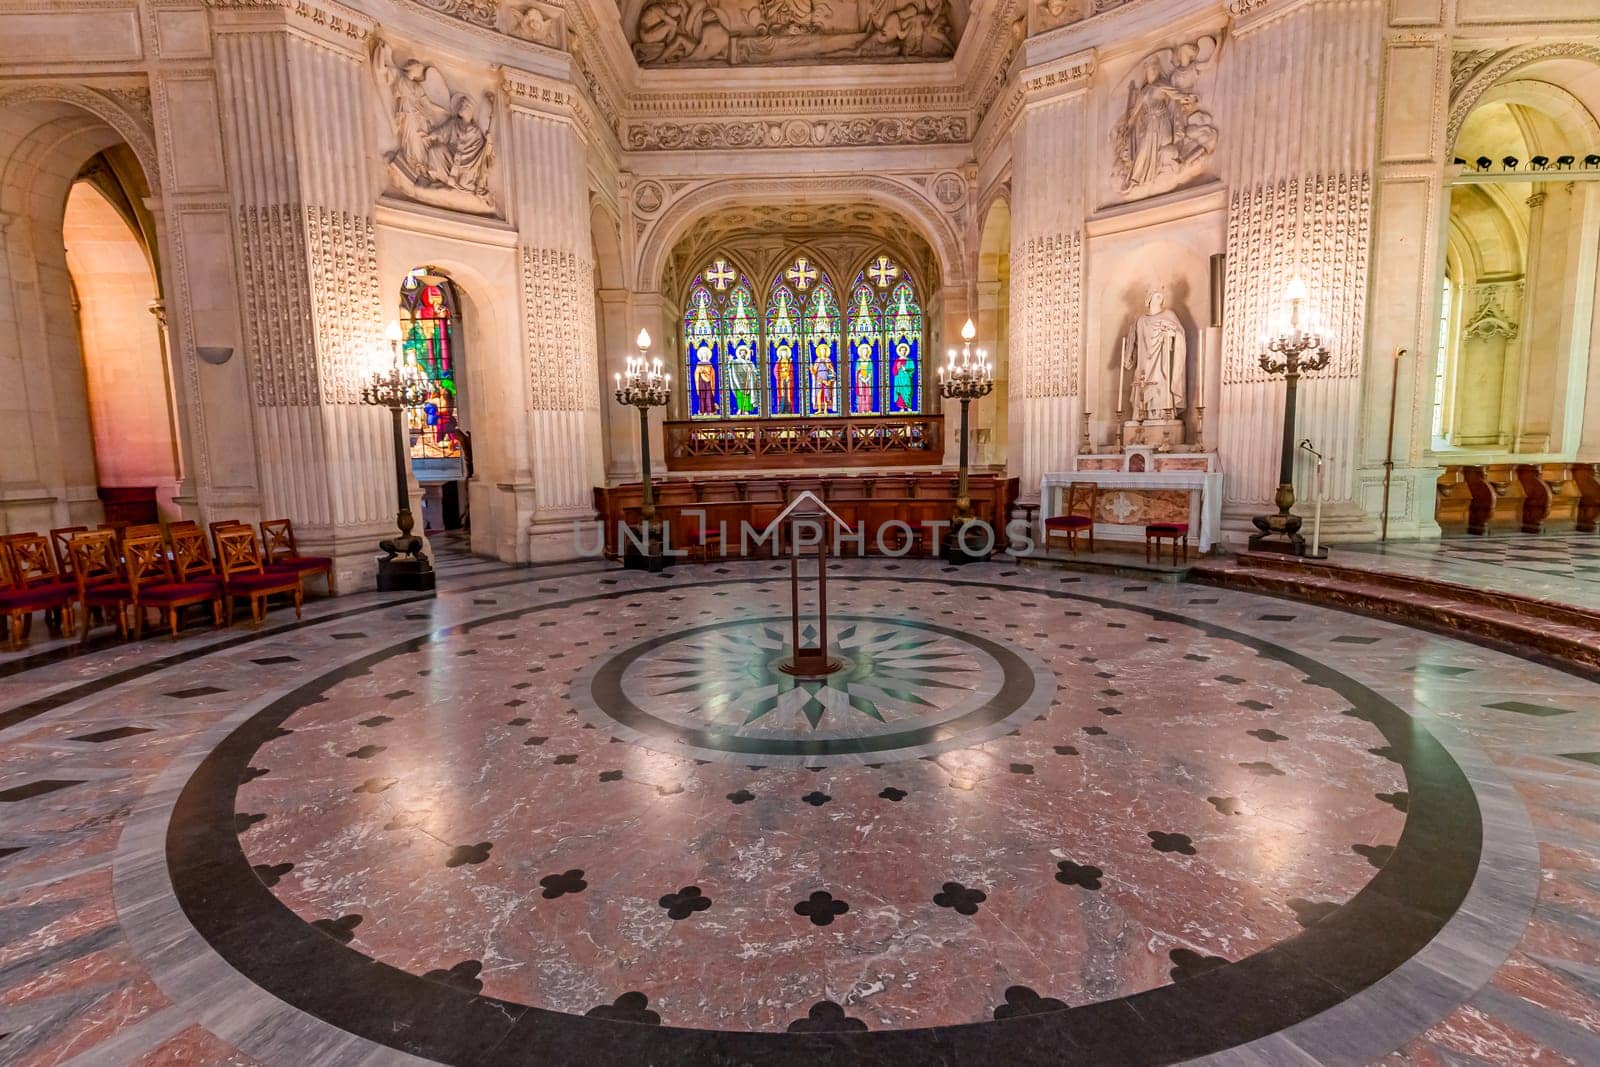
1164,129
443,146
677,31
1158,357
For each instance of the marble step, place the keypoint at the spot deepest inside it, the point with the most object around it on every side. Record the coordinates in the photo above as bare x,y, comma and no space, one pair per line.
1573,643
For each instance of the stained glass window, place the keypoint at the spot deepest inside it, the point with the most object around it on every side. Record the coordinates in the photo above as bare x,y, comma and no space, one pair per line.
792,349
428,339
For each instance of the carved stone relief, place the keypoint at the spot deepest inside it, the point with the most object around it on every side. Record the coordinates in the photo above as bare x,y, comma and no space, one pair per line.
440,144
1165,133
1492,318
741,32
477,12
272,247
346,299
531,20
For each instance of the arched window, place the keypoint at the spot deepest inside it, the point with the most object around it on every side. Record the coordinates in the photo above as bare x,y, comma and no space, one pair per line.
886,320
429,331
796,349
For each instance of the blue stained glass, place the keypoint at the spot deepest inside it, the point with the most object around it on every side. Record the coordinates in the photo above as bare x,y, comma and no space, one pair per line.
821,338
702,344
742,338
783,352
866,338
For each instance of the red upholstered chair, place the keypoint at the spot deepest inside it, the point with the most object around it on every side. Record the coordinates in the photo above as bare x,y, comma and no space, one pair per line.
102,582
151,585
221,524
687,533
277,536
1082,498
1176,532
244,575
32,583
59,537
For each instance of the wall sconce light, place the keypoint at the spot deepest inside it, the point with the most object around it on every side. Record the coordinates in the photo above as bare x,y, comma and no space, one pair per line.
216,355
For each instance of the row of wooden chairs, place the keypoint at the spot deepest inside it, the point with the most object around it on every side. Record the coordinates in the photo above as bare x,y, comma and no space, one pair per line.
124,574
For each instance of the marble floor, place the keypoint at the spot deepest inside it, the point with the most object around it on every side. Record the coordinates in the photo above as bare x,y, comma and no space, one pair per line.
577,814
1563,567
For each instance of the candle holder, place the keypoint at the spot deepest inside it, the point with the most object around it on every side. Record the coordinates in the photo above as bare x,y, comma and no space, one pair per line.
1291,354
644,386
401,385
965,378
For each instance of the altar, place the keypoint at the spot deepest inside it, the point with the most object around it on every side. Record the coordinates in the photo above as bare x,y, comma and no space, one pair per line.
1139,486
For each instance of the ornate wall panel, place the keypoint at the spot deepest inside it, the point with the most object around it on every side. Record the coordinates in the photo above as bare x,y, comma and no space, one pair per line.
272,249
346,299
558,312
1047,310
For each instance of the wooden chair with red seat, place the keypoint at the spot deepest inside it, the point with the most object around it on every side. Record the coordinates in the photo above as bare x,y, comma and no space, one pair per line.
220,524
277,536
1082,499
1176,532
33,584
151,584
101,580
244,574
59,537
689,534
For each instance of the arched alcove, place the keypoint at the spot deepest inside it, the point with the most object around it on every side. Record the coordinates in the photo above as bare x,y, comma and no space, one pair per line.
433,339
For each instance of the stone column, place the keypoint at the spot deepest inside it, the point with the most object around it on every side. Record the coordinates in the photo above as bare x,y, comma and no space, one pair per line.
1049,199
549,205
295,99
1523,408
1298,156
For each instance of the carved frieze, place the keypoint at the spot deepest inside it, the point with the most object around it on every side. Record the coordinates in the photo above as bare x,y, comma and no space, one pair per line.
558,325
1463,65
477,12
797,133
735,32
272,249
1166,132
346,299
440,143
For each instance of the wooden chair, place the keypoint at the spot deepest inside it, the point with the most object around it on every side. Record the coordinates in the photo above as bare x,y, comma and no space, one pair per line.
58,542
143,529
102,583
32,583
221,524
277,537
1176,532
244,575
1082,499
151,585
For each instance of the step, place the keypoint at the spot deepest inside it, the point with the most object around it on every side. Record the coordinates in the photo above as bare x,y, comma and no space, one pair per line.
1567,643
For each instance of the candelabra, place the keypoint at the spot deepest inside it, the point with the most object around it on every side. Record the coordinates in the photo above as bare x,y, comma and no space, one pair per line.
644,387
398,387
1291,353
965,378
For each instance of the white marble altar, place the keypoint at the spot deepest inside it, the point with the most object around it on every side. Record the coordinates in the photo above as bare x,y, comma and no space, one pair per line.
1142,486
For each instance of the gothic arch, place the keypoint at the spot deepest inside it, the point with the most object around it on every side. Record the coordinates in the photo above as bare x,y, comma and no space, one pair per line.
665,232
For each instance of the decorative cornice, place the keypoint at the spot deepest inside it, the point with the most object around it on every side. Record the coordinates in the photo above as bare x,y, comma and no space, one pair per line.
797,133
325,20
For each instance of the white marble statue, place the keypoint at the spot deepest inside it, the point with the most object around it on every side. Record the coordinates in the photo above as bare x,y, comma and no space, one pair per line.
1163,128
443,142
1158,356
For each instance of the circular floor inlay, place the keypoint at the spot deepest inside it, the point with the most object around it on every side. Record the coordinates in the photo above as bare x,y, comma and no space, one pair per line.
1110,801
907,688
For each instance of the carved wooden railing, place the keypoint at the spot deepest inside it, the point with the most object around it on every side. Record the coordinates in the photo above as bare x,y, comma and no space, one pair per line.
745,444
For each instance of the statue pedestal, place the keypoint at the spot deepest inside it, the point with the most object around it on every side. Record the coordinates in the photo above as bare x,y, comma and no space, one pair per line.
1164,435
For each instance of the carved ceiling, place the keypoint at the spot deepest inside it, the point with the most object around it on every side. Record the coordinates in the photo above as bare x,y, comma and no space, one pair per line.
703,33
841,237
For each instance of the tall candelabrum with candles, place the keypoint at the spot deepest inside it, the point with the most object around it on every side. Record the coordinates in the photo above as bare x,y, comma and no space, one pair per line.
1291,353
644,386
966,376
397,386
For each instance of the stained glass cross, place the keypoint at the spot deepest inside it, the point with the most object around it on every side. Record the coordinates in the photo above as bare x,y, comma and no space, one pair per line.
720,275
802,274
882,272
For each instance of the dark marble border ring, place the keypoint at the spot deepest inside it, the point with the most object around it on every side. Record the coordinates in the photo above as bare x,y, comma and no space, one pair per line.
1404,906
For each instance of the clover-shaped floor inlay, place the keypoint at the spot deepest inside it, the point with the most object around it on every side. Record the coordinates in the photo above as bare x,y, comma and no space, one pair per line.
1225,805
558,885
611,776
631,1007
1165,842
1082,875
816,798
892,794
270,873
685,902
826,1017
821,908
375,785
965,901
1267,735
366,752
468,854
342,929
1188,964
741,796
463,975
1262,769
1020,1000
